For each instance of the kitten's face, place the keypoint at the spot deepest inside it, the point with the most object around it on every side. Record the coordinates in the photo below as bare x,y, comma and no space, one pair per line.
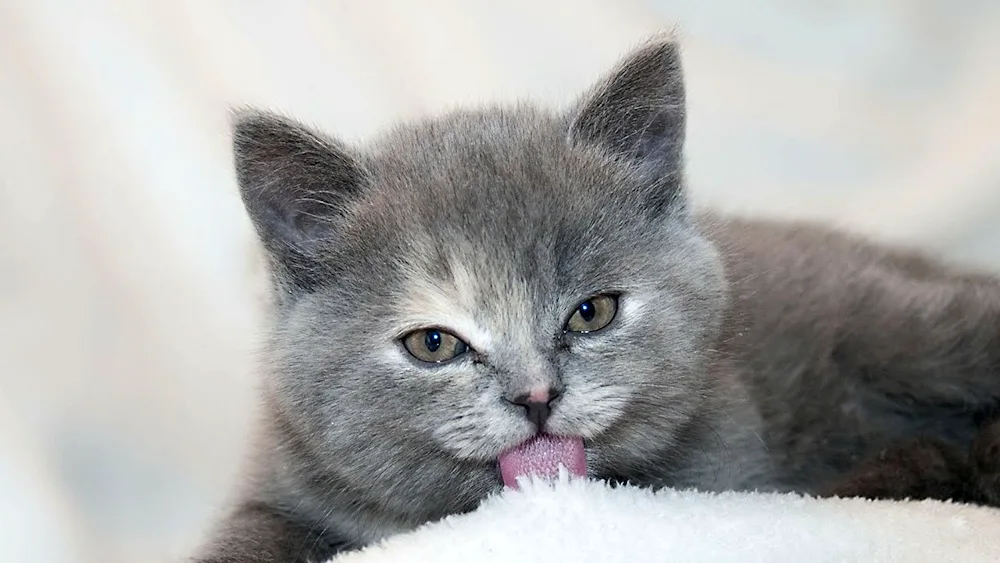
489,230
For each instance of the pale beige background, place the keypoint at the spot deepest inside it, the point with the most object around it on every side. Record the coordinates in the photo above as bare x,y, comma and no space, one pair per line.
128,312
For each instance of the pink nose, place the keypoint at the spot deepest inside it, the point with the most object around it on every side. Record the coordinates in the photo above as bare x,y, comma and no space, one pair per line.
537,404
539,395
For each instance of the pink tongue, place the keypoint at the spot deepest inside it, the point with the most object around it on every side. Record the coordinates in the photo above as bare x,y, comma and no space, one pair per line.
542,456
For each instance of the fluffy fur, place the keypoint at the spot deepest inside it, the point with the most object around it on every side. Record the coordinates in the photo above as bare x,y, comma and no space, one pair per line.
744,355
587,522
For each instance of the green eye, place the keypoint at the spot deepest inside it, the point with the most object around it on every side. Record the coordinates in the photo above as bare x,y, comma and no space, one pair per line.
593,314
433,345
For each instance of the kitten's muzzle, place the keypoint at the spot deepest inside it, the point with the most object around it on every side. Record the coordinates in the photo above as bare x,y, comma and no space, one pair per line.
537,404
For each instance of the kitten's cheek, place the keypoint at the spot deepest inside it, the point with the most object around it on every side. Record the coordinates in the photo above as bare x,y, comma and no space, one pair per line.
588,415
570,426
560,425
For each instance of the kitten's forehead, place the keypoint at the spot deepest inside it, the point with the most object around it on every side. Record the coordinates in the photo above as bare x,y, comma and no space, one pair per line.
506,182
480,304
486,163
501,224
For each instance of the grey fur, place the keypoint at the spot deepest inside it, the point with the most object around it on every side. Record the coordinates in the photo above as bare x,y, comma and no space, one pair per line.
745,354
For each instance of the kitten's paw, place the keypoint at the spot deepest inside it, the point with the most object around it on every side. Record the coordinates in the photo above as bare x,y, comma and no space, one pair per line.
985,458
915,470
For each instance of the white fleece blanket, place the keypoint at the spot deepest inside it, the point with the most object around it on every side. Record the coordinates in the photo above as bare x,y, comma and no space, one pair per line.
584,521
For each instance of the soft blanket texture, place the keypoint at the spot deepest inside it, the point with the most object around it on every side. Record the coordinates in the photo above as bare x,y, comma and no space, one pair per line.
583,521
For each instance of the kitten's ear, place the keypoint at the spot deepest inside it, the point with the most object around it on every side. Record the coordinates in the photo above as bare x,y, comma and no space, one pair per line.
637,114
296,185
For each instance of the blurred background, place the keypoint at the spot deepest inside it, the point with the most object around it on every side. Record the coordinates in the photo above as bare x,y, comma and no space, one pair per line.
131,288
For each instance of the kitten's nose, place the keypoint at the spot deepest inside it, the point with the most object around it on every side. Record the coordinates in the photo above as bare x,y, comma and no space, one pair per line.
537,404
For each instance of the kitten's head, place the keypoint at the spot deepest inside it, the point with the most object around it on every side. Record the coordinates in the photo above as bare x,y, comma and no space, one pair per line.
431,280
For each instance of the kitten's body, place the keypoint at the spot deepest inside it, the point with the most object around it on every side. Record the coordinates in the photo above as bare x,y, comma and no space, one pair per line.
744,354
846,347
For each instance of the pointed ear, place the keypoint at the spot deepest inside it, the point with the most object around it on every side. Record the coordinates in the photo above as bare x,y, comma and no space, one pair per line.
637,114
296,185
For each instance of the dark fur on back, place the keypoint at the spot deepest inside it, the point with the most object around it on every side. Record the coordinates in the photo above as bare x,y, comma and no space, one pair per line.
745,354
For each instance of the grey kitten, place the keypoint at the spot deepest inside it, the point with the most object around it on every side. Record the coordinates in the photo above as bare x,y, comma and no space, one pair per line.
466,288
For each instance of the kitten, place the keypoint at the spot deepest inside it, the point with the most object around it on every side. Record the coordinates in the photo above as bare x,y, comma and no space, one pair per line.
490,293
929,468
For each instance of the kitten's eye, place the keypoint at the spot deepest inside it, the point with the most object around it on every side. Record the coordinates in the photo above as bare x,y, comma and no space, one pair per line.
434,345
593,314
